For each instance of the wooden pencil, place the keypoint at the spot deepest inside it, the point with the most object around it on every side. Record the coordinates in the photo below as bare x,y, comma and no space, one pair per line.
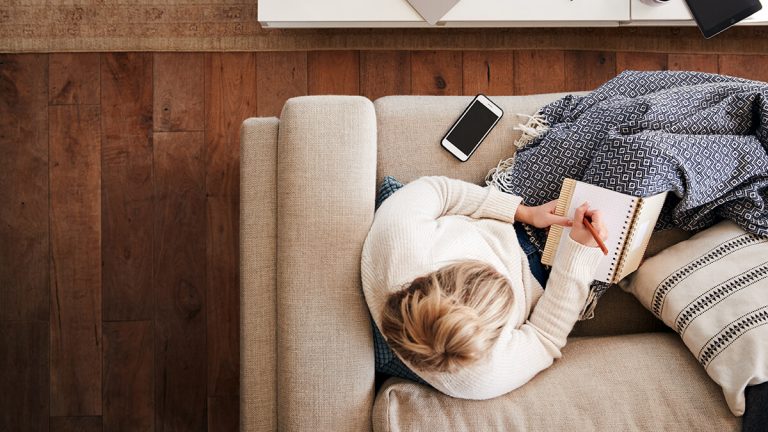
594,233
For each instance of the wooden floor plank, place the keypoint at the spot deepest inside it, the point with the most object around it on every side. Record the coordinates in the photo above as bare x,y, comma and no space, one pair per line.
74,79
539,72
333,72
179,254
489,72
640,61
225,112
129,403
281,76
76,424
24,187
230,97
223,296
384,73
75,213
587,70
24,376
223,414
436,73
127,208
693,62
178,92
753,67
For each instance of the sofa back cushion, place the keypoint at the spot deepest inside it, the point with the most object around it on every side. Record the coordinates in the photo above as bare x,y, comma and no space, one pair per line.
410,129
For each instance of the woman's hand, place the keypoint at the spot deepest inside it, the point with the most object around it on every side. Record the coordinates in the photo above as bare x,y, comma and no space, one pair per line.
542,216
580,233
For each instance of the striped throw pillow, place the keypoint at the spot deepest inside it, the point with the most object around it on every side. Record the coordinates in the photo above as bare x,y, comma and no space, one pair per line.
713,291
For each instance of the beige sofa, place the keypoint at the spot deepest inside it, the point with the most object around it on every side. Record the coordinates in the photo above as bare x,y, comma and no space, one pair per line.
308,183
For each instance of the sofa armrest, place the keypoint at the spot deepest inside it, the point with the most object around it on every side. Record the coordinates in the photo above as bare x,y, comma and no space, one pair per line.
326,177
258,267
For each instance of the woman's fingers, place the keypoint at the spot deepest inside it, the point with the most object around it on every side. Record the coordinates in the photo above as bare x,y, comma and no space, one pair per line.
595,215
558,220
597,221
579,232
578,217
551,206
544,216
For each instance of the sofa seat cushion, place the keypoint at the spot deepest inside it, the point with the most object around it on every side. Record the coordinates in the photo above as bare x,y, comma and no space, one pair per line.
644,382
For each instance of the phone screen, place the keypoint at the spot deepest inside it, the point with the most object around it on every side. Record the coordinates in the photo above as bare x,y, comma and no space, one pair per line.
472,127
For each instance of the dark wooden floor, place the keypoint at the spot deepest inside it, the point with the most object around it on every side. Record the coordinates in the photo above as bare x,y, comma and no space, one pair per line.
119,212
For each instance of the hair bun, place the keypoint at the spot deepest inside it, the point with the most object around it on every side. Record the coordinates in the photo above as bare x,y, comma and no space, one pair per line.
457,337
449,318
441,334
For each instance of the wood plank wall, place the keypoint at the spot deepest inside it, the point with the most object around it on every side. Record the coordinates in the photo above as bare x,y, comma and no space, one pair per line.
119,219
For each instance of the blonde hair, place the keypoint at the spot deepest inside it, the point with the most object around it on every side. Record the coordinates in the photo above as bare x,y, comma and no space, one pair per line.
449,318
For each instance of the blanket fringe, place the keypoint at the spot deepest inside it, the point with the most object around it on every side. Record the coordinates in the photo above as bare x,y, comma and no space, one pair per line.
589,308
596,290
497,176
533,128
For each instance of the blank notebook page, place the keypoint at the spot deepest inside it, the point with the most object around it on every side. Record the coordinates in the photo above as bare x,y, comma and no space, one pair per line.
617,210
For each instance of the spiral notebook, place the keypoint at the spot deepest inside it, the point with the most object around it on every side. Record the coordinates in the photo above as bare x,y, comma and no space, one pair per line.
630,221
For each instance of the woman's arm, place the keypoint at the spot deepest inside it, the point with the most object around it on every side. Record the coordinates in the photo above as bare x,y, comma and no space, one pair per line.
568,286
433,197
567,290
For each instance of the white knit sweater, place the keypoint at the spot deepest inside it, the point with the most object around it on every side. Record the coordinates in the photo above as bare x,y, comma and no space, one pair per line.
435,221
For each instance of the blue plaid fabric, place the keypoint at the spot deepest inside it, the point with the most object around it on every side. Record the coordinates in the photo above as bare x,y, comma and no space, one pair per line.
388,186
386,360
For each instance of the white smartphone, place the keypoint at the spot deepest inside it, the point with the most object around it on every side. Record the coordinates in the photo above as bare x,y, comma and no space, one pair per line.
475,123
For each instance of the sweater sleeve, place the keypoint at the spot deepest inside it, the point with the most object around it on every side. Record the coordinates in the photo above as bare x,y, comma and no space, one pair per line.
433,197
527,350
567,290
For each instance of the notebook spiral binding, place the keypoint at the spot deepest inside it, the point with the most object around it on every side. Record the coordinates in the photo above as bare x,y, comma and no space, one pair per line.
556,231
634,213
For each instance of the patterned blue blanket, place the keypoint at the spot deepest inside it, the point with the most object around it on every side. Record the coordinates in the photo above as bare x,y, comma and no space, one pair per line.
703,137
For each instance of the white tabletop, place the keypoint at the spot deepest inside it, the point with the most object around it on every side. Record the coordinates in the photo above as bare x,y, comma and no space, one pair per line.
400,11
480,13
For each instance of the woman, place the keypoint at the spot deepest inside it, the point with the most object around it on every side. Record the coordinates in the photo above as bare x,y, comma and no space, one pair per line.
451,290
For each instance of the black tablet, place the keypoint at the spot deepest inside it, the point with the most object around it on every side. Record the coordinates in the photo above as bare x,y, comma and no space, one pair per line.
714,16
